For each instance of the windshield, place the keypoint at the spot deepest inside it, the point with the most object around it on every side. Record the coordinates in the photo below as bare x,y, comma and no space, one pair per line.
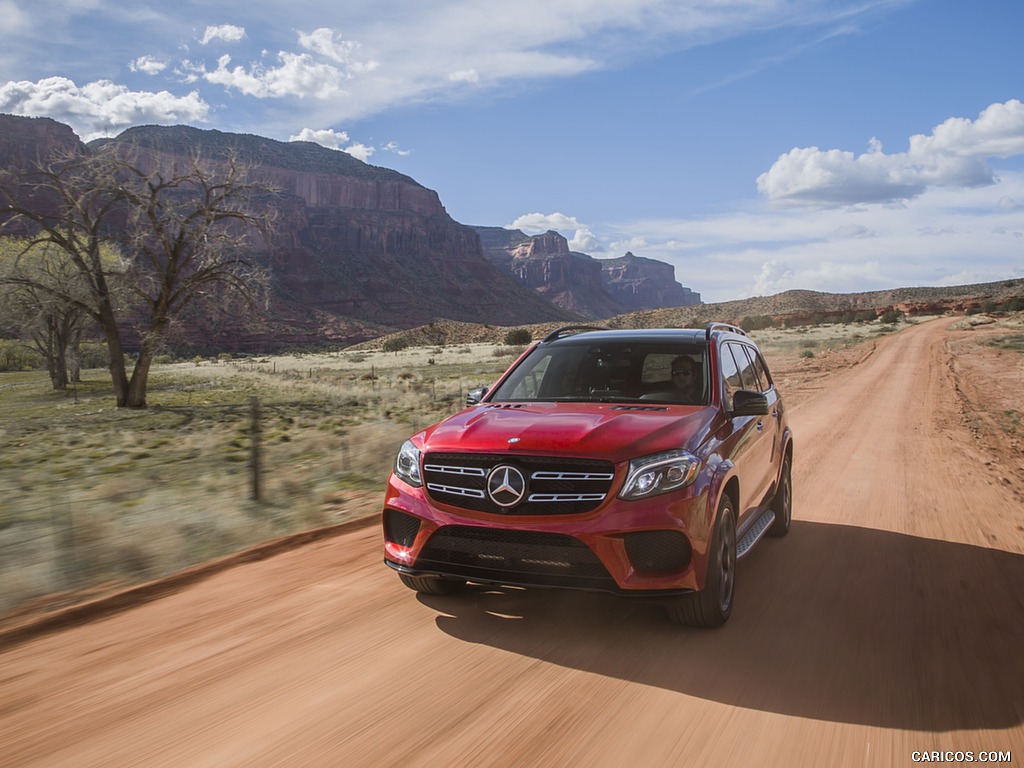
610,372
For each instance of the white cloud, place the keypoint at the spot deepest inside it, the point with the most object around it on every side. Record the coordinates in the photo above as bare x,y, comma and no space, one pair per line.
585,241
465,76
15,19
298,75
635,245
579,236
229,33
149,65
359,151
395,149
100,108
952,156
998,132
335,140
328,44
927,240
325,138
536,223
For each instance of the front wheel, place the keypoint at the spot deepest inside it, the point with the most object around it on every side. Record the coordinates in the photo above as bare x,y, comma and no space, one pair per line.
782,504
431,585
712,606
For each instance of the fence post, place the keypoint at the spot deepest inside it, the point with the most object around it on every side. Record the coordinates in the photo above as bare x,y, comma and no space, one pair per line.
255,435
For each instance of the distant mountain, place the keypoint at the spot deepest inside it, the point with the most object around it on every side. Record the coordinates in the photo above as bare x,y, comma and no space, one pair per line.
359,250
579,283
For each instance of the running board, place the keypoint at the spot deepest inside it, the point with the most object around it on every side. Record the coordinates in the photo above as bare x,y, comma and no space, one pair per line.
754,533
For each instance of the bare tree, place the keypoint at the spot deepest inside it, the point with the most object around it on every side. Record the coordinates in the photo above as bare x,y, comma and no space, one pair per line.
52,326
182,226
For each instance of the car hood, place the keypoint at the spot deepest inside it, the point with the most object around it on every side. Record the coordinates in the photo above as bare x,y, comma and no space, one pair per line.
613,431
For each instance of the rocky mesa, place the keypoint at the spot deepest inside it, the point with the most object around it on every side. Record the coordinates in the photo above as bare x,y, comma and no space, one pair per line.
579,283
358,250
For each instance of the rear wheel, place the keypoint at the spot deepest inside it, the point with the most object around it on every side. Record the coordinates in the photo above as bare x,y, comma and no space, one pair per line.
431,585
782,504
712,606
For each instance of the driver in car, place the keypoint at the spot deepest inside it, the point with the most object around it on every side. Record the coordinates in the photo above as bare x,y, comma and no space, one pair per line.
686,379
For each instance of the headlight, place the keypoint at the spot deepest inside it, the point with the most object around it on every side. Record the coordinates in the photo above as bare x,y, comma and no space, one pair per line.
661,473
407,465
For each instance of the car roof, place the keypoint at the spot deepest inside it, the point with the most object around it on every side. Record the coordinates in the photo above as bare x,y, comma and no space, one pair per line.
590,335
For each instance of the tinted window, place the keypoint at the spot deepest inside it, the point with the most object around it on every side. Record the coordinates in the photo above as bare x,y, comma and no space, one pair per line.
609,371
762,369
730,375
752,370
747,378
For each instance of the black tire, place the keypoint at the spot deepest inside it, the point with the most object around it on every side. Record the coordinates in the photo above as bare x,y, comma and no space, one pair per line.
782,504
712,606
431,585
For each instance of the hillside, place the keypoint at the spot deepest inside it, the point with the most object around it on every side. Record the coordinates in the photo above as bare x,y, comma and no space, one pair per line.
357,250
791,308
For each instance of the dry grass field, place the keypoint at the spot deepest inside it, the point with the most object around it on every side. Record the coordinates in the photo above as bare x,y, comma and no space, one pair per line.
93,497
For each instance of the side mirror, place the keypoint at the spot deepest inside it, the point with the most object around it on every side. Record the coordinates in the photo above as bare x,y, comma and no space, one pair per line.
747,403
474,396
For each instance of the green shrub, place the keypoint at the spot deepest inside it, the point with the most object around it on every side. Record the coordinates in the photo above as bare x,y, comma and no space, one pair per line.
518,337
891,316
756,323
394,344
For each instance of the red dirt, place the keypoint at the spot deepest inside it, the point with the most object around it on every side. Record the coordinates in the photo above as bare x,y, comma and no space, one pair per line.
890,621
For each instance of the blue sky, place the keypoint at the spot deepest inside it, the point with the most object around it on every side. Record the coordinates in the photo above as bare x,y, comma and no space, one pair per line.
756,145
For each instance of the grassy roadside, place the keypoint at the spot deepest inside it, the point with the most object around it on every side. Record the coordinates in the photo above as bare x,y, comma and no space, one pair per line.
93,497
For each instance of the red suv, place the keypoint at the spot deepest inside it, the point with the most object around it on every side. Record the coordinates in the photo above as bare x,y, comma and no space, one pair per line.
638,462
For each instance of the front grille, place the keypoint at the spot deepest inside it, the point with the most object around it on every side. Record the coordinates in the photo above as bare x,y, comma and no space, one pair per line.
514,557
658,550
400,527
554,485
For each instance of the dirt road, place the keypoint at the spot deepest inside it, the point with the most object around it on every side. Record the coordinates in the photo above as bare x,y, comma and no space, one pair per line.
890,621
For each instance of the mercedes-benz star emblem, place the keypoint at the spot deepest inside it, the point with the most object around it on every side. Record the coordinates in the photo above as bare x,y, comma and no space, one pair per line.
506,485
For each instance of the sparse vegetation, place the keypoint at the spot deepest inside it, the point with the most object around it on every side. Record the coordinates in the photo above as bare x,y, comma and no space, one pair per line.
96,497
394,344
518,337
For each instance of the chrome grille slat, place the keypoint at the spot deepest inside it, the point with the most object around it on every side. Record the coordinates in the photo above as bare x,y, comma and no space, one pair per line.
571,476
471,493
472,471
536,497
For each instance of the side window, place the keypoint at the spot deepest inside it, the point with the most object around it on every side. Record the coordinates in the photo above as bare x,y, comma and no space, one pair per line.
762,370
747,378
757,380
730,374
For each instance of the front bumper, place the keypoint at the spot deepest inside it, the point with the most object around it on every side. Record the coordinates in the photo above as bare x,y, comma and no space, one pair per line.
653,547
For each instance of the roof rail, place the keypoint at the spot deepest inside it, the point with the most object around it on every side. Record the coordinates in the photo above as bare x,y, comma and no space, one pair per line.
723,327
568,330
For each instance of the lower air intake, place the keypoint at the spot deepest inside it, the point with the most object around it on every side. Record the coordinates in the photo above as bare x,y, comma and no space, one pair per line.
400,528
658,550
505,556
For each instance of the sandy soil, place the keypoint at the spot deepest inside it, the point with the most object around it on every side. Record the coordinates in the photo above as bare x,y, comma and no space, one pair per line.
890,621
